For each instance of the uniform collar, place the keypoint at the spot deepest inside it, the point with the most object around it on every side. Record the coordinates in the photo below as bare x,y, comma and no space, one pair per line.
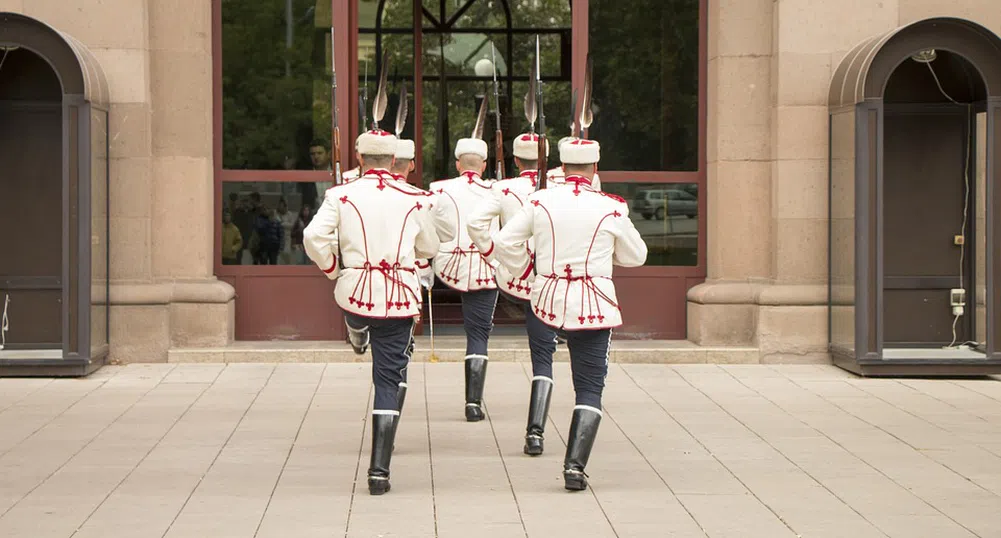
530,174
473,178
578,180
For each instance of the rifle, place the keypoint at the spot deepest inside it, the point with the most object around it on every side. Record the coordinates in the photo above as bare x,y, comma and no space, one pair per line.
541,183
573,115
586,113
499,136
363,103
381,101
335,137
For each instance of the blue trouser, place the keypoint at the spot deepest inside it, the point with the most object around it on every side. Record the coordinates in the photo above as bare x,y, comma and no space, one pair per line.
478,319
392,342
541,340
589,362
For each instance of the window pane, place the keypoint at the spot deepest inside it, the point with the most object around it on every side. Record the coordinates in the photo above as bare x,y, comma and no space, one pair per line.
275,82
540,13
461,53
262,222
646,88
555,49
395,13
666,215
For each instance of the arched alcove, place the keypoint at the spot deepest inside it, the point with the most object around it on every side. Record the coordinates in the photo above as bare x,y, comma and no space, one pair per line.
53,202
915,197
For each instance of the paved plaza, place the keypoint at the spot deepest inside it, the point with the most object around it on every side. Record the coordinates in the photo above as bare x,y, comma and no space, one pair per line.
243,450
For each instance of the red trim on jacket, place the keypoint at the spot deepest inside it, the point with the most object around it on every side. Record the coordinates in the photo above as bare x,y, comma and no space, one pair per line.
332,267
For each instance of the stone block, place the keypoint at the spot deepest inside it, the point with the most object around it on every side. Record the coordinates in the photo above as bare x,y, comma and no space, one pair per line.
983,12
744,27
802,79
800,253
127,71
181,25
131,187
800,189
801,132
99,24
739,226
722,324
202,324
182,217
811,26
130,249
139,333
743,108
129,130
791,334
182,97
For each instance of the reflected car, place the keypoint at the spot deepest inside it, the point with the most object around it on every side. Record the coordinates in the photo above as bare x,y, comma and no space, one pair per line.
656,203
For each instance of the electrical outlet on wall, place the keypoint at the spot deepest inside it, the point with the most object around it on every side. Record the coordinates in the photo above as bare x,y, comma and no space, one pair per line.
957,298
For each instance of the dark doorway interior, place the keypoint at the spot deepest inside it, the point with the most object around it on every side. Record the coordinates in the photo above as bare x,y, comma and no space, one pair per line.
928,200
31,199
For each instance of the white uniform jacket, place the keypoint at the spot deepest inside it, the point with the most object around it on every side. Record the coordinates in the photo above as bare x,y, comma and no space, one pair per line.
379,227
555,177
579,234
459,263
507,198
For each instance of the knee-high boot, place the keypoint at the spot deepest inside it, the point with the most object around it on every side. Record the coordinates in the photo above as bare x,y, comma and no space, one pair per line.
383,433
401,396
476,375
538,409
583,430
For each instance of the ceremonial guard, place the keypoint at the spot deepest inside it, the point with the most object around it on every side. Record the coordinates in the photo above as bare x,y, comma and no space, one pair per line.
579,234
367,235
507,198
461,266
556,176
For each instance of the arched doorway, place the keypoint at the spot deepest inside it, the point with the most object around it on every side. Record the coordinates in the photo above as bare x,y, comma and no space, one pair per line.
913,233
53,202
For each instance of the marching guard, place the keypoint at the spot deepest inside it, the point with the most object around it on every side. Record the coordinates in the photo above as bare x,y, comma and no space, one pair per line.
461,266
579,234
367,235
507,198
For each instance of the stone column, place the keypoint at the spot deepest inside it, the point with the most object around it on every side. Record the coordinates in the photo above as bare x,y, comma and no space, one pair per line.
810,39
158,66
722,310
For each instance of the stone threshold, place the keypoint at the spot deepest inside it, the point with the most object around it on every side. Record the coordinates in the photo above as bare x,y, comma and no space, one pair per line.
452,349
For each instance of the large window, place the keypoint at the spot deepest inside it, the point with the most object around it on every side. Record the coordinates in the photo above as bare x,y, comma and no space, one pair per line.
646,83
273,117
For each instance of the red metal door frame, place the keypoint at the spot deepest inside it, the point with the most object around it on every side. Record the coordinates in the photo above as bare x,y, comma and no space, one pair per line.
636,284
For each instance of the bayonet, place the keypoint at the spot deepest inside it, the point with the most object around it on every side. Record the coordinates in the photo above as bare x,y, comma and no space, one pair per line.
586,111
335,138
363,103
498,136
381,100
541,183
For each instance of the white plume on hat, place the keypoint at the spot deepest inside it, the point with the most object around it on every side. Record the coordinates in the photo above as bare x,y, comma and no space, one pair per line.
405,149
580,151
377,143
474,146
526,146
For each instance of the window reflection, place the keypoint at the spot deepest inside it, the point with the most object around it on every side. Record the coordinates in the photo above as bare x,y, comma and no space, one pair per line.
667,216
275,82
262,222
646,85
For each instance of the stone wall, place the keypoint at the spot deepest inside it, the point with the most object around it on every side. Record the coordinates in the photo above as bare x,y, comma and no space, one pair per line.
770,66
157,57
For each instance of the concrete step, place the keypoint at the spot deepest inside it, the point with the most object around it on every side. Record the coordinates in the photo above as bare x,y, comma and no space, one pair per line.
453,349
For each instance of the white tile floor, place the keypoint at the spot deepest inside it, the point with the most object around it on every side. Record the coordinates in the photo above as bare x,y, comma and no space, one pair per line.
242,450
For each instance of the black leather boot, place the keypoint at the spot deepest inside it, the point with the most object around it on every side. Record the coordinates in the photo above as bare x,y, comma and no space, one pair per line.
476,375
538,409
383,433
583,429
401,396
358,338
